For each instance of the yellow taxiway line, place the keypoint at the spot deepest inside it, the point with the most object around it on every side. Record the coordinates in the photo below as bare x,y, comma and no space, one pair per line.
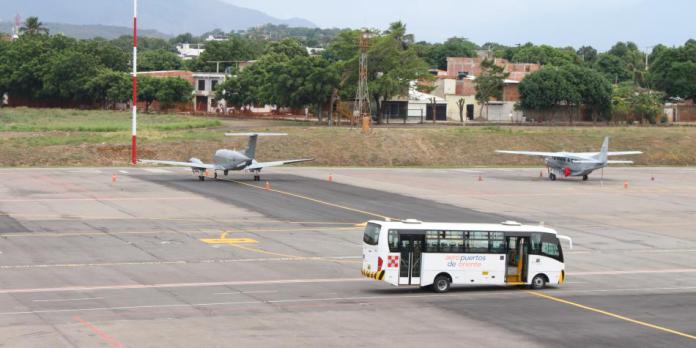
315,200
613,315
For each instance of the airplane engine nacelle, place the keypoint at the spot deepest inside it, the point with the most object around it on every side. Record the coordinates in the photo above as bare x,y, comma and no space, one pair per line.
566,171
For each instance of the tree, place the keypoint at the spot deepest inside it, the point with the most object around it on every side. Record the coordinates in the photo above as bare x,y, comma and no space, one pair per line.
490,83
147,90
461,103
236,48
288,47
594,89
158,60
622,62
32,26
107,54
588,54
613,68
66,75
546,88
109,87
674,71
453,47
391,70
545,55
173,90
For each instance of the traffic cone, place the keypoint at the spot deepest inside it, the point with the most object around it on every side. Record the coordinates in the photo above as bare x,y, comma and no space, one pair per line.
626,185
480,178
206,173
268,186
541,174
330,178
114,177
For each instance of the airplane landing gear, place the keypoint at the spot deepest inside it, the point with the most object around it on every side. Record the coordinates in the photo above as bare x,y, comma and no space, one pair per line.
257,177
585,177
227,172
552,177
201,178
215,175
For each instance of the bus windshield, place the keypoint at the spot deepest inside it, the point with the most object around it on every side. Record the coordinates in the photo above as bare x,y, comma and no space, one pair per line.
371,235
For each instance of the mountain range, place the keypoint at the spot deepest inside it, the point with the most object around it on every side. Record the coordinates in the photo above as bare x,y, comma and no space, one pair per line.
167,16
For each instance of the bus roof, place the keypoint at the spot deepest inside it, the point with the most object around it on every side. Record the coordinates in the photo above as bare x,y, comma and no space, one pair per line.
508,226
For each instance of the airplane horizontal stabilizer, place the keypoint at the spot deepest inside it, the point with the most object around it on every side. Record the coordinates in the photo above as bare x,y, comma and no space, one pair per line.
625,153
256,134
261,165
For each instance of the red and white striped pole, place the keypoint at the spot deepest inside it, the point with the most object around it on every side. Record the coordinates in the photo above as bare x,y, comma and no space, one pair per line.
134,151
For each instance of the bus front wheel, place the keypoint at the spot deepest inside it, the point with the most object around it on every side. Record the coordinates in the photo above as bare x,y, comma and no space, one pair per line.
538,282
442,283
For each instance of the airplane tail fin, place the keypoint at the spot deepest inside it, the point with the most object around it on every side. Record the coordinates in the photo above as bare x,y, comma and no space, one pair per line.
253,137
603,153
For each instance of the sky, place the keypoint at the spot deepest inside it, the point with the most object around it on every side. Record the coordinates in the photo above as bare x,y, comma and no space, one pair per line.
599,23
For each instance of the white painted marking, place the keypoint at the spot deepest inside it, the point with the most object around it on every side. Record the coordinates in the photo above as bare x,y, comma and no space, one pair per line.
123,171
178,285
70,299
215,304
157,170
644,271
637,289
180,262
247,292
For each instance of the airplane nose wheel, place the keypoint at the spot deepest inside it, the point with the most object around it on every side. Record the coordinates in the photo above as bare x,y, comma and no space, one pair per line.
257,177
552,177
585,177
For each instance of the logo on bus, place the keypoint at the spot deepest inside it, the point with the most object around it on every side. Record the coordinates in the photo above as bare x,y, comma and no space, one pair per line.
465,261
392,261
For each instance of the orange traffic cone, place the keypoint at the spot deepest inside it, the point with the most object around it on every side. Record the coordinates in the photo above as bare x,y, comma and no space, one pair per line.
330,178
114,178
626,185
268,186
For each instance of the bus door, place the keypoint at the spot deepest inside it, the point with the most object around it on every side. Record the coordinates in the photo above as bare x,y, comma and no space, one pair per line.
410,262
516,260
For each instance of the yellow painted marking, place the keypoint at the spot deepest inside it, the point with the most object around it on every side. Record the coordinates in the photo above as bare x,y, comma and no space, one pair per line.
361,225
315,200
613,315
292,257
228,241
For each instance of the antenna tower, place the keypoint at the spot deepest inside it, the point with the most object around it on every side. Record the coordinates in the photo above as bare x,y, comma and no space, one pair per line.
361,107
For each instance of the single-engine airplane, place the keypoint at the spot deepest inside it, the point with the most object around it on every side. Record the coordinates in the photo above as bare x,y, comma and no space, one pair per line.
576,163
226,160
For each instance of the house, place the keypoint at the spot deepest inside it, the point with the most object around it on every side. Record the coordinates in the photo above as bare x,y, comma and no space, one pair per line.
459,83
416,107
189,51
204,99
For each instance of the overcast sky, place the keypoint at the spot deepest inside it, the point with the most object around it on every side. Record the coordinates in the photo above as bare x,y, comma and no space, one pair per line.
599,23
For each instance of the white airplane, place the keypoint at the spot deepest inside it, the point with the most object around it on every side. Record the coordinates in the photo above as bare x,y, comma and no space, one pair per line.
226,160
576,163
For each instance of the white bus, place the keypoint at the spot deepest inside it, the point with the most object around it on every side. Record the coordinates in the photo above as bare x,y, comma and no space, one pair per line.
412,252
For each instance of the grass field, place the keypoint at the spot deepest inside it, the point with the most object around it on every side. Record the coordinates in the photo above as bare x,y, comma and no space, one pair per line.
40,137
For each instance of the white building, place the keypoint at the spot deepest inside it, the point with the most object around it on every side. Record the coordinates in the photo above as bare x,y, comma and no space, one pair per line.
189,51
205,84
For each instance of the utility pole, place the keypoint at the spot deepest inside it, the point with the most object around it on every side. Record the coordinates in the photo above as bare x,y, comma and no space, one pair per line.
134,151
361,107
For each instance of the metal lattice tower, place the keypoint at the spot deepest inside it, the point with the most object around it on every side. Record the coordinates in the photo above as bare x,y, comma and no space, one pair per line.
361,107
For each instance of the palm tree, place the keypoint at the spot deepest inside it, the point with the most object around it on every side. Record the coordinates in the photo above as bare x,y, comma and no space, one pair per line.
398,31
32,26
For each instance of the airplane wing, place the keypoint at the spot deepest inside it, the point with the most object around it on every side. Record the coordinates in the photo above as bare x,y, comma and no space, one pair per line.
624,153
181,164
532,153
619,162
261,165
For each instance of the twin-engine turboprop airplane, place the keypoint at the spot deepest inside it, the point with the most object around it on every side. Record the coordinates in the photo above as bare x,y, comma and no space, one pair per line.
226,160
576,163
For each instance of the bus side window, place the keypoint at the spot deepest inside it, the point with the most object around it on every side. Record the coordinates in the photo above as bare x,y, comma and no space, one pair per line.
497,242
477,242
393,240
535,244
451,242
431,241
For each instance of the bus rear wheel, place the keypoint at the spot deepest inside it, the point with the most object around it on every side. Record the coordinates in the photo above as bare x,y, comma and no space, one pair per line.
538,282
441,284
